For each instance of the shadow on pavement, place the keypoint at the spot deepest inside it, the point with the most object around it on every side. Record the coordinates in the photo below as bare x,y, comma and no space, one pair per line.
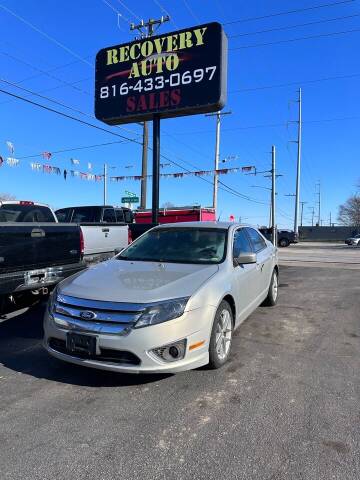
21,350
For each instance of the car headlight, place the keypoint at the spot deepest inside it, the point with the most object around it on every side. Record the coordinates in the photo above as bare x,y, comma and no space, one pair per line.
52,299
162,312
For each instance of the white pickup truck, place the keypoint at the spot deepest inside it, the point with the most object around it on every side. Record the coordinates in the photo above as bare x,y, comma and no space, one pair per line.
105,229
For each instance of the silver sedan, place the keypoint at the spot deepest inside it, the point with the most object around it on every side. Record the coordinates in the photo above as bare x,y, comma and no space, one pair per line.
169,302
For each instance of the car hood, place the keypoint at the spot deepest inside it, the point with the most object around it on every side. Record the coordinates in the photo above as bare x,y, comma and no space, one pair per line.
137,282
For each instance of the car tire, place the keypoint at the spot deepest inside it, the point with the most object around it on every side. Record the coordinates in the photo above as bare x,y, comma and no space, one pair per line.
272,295
221,336
284,242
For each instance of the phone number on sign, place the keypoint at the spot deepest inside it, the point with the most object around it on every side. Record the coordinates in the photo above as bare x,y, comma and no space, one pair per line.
157,83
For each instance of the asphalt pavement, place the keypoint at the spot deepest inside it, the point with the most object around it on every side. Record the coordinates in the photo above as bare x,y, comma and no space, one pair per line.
287,405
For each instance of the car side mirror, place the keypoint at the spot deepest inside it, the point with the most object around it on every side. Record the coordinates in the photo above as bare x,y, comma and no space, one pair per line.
245,258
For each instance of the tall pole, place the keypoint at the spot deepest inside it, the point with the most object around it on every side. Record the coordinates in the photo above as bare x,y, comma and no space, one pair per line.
218,116
156,169
217,155
330,220
105,183
302,212
273,195
298,170
147,29
144,166
319,202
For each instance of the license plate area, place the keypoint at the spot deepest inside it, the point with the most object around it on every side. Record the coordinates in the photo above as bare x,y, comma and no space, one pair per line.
83,344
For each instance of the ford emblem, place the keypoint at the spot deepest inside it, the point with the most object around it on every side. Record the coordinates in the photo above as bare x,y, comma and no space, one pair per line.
88,315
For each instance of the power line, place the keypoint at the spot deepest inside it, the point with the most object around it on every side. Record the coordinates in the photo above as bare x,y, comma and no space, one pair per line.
44,34
31,92
288,12
190,10
299,82
289,27
43,72
271,125
230,189
19,97
73,149
128,9
290,40
166,13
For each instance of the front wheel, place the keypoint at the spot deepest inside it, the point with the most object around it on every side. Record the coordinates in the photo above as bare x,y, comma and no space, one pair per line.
272,295
221,336
284,242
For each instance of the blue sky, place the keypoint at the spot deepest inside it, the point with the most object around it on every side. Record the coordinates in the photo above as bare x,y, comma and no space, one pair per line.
54,34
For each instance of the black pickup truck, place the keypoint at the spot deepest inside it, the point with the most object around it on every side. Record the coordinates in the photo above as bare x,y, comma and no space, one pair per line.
36,251
284,237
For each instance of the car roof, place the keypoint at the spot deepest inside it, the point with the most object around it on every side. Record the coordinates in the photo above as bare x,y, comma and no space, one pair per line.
213,225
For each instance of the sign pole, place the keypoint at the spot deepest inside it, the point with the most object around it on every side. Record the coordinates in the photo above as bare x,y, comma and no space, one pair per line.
156,169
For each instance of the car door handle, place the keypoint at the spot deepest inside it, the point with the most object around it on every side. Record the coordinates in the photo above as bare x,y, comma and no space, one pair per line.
37,233
106,230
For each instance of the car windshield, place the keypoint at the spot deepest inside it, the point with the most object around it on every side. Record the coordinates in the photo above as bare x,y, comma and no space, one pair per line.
179,245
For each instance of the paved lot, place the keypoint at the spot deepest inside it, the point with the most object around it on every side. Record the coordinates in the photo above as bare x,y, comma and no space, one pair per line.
318,254
286,406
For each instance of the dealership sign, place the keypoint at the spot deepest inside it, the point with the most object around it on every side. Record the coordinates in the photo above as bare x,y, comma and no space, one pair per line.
178,73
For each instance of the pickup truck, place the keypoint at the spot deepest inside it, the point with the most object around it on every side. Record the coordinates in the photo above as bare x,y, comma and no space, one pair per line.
284,237
105,229
35,252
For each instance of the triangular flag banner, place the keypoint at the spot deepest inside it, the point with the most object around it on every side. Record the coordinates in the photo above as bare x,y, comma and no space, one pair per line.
11,147
12,162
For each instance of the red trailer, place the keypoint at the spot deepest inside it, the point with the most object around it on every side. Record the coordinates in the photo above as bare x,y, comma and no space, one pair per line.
177,214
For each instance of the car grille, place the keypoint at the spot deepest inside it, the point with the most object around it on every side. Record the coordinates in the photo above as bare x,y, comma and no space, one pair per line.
114,318
106,354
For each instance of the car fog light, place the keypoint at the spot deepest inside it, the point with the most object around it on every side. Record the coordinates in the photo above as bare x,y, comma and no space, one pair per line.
172,352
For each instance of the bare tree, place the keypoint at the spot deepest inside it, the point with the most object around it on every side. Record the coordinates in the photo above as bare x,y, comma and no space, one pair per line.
167,205
6,196
349,212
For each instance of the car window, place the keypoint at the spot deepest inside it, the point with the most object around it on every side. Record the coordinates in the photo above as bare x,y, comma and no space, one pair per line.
64,214
241,243
256,239
109,215
179,245
128,216
119,215
25,213
84,215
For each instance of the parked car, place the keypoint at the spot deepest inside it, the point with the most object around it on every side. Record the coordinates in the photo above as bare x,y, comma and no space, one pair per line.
355,240
104,228
284,237
169,302
35,251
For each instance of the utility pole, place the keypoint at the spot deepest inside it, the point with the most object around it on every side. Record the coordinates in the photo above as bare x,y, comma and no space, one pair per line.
273,195
302,212
312,215
105,183
298,169
217,153
144,166
318,193
146,29
330,220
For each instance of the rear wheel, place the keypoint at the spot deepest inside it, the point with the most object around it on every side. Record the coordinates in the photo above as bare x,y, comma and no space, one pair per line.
284,242
272,296
221,336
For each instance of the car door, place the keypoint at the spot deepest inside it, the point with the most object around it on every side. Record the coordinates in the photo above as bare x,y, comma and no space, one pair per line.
245,277
264,262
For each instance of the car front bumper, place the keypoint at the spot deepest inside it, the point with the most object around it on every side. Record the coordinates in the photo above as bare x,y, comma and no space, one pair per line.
194,326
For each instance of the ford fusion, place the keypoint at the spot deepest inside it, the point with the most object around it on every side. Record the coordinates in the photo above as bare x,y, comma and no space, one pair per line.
169,302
